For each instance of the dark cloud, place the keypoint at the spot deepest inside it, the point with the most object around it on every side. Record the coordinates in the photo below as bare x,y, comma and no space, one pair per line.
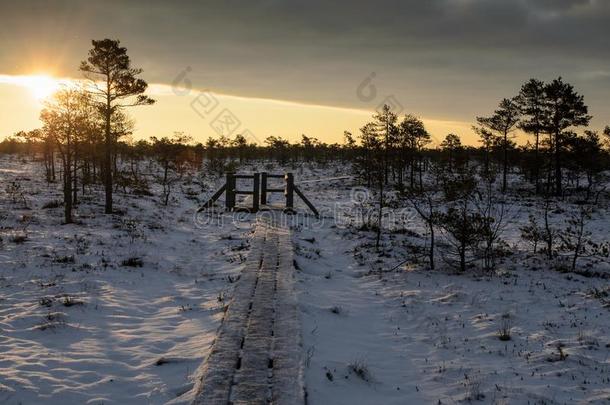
561,5
434,54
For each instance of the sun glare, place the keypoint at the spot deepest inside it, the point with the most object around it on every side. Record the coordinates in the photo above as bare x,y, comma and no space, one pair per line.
41,86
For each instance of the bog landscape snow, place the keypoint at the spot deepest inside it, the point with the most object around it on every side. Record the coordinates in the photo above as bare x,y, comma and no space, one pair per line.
304,203
125,308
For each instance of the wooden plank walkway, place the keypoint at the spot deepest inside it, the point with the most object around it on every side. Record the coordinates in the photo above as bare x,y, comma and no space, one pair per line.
257,356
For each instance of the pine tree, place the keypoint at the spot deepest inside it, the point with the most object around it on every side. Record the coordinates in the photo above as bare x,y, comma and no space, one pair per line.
566,109
503,121
114,85
532,104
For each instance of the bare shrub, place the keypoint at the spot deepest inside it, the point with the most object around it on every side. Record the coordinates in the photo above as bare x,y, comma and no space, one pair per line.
52,204
64,259
132,262
19,238
506,324
473,387
360,369
16,194
70,301
52,320
337,309
133,228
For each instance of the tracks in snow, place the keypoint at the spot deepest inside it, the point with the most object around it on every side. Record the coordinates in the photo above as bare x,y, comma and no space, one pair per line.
256,358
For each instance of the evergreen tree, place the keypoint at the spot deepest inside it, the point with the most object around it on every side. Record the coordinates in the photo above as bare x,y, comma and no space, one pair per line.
566,109
503,122
114,85
532,104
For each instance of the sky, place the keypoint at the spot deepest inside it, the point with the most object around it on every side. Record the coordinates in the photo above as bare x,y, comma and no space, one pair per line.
288,67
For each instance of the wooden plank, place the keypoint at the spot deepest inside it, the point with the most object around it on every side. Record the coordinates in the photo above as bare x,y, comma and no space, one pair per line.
230,191
263,188
289,190
213,199
257,356
287,380
306,201
256,192
218,370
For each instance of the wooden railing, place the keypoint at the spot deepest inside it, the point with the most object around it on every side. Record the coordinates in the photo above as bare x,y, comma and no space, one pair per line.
259,192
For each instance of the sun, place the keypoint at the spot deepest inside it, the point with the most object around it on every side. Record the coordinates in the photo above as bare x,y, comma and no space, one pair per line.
41,86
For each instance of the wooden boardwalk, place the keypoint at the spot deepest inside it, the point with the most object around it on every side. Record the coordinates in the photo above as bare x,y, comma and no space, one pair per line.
257,357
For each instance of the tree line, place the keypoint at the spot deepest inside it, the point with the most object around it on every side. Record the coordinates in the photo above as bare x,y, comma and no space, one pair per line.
86,129
465,192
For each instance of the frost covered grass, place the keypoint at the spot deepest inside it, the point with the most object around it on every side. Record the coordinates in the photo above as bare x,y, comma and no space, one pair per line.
113,308
527,332
123,308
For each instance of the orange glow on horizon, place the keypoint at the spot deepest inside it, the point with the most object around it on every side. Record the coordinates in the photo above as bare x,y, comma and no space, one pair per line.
40,85
260,116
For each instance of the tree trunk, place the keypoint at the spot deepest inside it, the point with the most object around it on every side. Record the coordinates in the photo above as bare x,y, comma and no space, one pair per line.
401,175
412,174
549,234
67,187
558,180
75,179
505,163
463,257
579,242
379,214
463,243
431,253
52,165
166,186
94,172
47,166
108,162
537,164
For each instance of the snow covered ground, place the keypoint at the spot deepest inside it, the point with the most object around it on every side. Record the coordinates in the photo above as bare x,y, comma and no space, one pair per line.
78,324
410,336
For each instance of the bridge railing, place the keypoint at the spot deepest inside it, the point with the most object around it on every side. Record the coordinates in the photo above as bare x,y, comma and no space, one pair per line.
259,191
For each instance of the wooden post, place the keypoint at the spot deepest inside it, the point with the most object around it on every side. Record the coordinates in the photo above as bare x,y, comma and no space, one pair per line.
289,191
306,201
263,188
230,191
215,197
255,192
